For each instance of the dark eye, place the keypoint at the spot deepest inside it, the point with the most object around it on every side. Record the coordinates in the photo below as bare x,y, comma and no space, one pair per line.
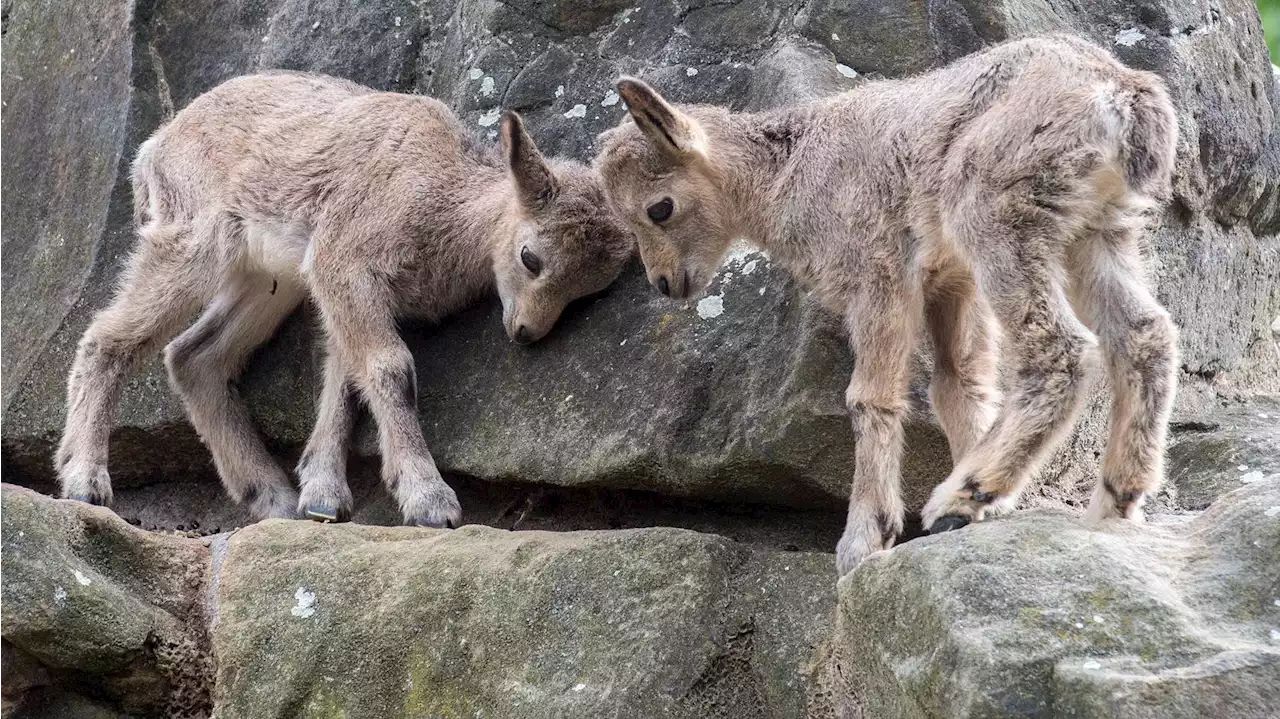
530,261
661,210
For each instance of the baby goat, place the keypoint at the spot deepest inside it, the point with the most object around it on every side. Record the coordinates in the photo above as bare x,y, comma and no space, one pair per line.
272,188
1010,186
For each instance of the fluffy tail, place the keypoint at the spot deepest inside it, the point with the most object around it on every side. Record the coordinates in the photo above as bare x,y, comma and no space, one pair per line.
1149,146
139,176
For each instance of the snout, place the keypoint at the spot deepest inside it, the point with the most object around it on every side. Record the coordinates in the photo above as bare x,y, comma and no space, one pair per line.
674,284
523,334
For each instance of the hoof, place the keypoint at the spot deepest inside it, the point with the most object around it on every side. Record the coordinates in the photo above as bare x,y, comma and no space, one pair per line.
947,523
323,513
431,524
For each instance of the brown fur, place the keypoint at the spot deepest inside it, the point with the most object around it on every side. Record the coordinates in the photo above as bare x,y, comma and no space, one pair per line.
272,188
1005,192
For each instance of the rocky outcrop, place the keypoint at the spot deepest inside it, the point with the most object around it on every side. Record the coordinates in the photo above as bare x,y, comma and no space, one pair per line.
308,620
1030,615
1035,615
738,396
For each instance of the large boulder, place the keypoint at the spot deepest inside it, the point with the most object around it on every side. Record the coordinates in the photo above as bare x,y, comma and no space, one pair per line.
737,397
293,618
390,622
94,607
1037,616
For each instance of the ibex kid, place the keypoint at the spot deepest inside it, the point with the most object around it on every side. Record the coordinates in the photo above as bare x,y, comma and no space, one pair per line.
378,206
1005,192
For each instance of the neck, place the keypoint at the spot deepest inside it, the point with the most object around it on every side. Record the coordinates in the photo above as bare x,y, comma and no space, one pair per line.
488,216
753,151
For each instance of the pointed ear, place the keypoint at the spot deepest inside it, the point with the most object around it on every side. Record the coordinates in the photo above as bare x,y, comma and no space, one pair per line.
669,129
535,183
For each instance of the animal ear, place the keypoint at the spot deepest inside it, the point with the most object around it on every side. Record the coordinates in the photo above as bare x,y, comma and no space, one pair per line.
535,184
669,129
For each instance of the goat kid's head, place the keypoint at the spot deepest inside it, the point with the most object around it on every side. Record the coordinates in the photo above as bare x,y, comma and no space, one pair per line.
659,177
566,243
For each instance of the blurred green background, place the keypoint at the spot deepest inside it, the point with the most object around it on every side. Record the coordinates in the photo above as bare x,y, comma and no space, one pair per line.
1270,10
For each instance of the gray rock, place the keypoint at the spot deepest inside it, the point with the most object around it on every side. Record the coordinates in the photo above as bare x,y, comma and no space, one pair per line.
317,620
747,404
1035,615
95,606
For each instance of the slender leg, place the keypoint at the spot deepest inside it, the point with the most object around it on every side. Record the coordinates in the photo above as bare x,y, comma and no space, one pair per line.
358,318
882,322
1053,357
963,389
322,471
1140,343
157,295
204,362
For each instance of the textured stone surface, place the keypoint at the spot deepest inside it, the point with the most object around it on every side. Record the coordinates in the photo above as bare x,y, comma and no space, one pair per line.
94,605
1035,615
309,620
745,404
654,622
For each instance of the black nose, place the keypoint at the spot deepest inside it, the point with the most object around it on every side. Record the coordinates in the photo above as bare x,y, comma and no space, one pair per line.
663,287
522,335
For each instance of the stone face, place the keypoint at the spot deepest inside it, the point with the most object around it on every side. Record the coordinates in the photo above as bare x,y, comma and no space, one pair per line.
360,621
1035,615
308,620
747,403
98,606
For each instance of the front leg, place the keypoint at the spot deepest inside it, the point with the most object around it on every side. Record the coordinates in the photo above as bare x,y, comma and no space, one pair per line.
322,470
883,334
358,317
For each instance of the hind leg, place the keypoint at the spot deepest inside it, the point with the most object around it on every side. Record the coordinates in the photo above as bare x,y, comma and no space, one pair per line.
1053,356
203,363
159,291
1140,342
322,470
963,389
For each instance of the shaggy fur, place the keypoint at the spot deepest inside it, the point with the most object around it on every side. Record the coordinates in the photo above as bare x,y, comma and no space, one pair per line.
1005,193
273,188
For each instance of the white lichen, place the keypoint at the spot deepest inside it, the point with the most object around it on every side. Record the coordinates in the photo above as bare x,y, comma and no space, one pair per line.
750,267
397,21
578,110
559,90
610,99
846,70
1091,665
1273,512
691,71
83,580
835,37
710,307
315,25
490,117
1129,37
475,73
487,87
59,596
1252,477
306,605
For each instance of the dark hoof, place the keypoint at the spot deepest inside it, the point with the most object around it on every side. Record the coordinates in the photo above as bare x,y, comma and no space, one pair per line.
87,499
446,524
323,513
947,523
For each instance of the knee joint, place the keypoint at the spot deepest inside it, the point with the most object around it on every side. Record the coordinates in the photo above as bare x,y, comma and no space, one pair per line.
395,376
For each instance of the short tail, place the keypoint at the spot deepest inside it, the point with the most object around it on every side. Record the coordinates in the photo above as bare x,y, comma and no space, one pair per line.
139,176
1149,146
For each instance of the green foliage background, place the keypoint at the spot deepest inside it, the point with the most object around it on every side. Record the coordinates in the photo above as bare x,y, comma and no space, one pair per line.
1270,10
